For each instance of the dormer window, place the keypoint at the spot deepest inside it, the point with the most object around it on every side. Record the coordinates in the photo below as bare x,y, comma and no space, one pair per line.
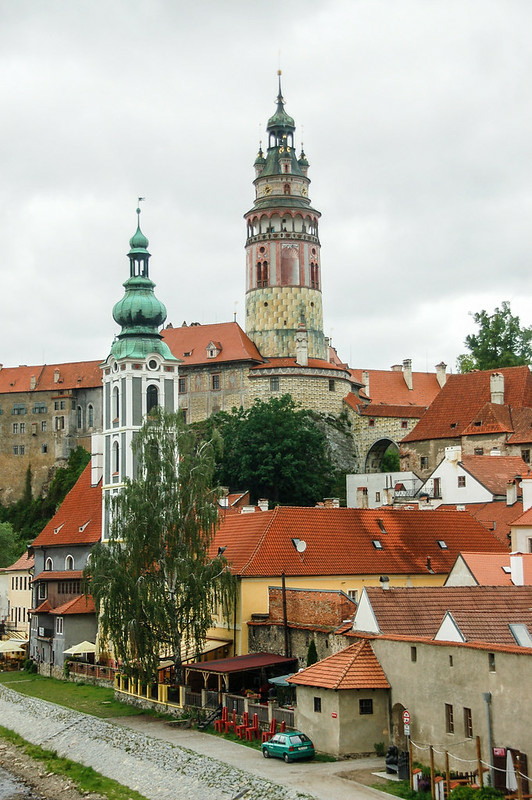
442,545
213,349
376,544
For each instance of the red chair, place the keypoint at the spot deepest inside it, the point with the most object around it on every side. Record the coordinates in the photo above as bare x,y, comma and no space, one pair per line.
240,729
267,735
219,725
231,723
253,730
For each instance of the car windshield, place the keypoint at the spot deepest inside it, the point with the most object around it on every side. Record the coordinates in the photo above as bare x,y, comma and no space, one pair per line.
299,738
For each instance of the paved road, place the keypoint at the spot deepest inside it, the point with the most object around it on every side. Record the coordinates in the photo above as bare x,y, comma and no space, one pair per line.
165,763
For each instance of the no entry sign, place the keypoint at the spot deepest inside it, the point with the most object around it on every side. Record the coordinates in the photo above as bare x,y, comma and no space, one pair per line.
406,717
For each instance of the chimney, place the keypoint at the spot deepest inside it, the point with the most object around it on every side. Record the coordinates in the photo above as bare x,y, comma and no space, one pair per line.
56,376
526,489
302,345
407,372
336,502
517,569
497,388
365,381
453,454
33,382
511,493
441,373
263,504
248,509
396,368
385,582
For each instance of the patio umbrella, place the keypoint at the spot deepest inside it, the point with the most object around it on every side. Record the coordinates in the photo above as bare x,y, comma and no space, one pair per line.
78,649
511,778
281,680
10,646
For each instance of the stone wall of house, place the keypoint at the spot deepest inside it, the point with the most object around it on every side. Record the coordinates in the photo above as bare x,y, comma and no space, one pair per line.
38,430
310,387
423,457
310,607
370,431
269,638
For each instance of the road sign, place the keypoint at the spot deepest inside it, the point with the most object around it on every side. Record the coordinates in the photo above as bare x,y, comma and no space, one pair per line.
406,717
407,730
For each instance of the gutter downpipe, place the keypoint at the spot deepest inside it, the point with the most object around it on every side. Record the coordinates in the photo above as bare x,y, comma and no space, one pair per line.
487,699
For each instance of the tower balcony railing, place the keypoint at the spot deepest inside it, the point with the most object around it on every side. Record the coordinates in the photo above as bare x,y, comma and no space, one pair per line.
304,237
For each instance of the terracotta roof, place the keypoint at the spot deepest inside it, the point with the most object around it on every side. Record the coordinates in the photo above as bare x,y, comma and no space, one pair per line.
356,667
78,605
494,472
25,562
488,568
60,575
522,425
340,541
79,517
524,519
78,375
43,608
496,516
193,339
420,610
491,625
313,363
387,410
389,387
498,648
466,399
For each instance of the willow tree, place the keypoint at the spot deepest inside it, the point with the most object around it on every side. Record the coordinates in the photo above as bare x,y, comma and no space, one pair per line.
155,582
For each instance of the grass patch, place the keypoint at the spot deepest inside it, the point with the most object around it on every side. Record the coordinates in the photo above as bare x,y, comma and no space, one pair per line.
255,743
98,701
85,779
401,789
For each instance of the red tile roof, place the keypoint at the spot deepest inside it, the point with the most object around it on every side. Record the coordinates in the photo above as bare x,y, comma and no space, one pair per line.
488,568
78,605
340,541
313,363
420,611
386,410
235,344
43,608
61,575
356,667
499,648
524,519
522,425
466,399
79,517
494,472
496,516
78,375
25,562
389,387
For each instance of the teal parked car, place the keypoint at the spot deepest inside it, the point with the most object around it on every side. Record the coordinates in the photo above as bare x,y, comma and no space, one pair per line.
290,745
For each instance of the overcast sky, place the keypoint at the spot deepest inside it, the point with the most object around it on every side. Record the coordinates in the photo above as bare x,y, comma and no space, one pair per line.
416,116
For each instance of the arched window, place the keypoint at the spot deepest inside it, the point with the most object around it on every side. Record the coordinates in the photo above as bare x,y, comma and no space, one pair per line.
116,403
116,458
287,188
69,562
152,398
80,417
262,274
48,565
91,415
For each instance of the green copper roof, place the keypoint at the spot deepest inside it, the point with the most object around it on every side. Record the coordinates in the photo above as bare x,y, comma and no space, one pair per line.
139,312
260,158
281,119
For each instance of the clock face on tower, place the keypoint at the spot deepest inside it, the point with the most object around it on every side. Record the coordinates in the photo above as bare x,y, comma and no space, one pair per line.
267,190
304,191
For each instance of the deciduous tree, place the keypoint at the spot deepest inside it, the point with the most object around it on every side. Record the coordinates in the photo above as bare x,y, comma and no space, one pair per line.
500,341
154,581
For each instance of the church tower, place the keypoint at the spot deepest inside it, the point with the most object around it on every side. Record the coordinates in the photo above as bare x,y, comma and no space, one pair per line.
283,273
139,373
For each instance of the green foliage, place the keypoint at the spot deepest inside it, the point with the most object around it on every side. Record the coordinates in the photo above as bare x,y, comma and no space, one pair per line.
468,793
500,341
274,449
28,517
154,581
30,666
10,547
390,460
312,653
380,749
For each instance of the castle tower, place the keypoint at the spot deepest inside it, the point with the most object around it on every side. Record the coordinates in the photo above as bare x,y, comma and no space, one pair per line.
139,373
283,274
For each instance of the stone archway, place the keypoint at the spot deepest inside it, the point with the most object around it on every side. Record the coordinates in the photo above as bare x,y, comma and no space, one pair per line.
376,453
398,737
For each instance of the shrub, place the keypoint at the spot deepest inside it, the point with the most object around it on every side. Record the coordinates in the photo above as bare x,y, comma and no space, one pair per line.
30,666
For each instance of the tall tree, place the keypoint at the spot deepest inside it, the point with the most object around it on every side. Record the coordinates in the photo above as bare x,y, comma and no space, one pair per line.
154,581
276,450
10,546
500,341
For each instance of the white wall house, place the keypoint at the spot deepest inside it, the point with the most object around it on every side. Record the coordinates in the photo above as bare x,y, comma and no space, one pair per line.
375,489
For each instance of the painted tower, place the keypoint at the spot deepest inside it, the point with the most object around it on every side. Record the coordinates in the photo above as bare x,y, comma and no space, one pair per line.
283,274
139,373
